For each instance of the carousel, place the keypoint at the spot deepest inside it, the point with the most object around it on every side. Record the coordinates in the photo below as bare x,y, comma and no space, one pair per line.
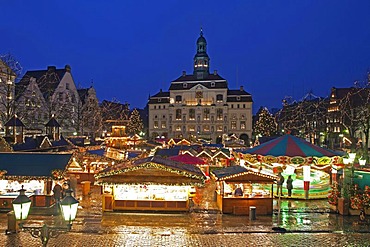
310,166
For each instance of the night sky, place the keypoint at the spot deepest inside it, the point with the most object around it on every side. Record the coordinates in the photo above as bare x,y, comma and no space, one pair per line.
132,49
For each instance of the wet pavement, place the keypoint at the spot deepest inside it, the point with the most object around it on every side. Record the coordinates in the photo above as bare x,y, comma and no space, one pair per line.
301,223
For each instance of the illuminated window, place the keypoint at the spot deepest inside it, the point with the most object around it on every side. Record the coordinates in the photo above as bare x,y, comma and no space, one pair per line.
206,128
233,125
191,128
219,128
163,125
191,114
178,114
219,98
178,128
242,125
206,113
155,124
219,113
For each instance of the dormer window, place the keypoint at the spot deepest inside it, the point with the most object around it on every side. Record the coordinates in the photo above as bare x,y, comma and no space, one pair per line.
213,84
238,98
185,85
159,100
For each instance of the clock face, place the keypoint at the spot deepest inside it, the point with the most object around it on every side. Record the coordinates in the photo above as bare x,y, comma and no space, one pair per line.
199,94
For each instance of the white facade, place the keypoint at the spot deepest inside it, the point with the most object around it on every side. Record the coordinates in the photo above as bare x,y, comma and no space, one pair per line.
200,105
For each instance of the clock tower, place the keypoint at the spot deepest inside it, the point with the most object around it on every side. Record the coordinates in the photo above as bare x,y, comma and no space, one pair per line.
201,59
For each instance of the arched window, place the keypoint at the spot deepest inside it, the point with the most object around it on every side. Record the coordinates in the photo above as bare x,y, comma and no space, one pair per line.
219,97
178,114
178,99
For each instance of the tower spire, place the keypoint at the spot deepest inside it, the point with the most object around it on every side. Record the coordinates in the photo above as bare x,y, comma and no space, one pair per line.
201,58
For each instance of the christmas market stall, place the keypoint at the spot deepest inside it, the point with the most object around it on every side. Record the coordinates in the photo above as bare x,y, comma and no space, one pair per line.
150,184
239,188
36,172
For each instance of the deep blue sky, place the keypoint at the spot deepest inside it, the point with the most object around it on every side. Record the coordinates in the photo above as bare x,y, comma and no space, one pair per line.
131,49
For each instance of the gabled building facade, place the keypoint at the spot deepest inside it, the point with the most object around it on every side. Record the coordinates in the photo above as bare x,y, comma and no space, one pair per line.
90,119
42,94
200,105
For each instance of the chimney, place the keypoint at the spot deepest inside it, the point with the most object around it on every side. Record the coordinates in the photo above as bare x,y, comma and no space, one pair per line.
183,73
215,72
241,88
160,90
67,68
52,68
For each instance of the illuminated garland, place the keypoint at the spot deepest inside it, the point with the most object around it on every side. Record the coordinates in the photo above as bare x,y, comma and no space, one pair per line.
247,173
2,173
149,183
150,165
250,158
22,178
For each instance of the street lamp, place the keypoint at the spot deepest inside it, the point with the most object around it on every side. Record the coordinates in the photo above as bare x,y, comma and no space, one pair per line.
21,206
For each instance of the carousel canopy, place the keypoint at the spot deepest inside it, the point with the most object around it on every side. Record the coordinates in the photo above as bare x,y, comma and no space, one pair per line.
291,146
240,174
33,164
188,159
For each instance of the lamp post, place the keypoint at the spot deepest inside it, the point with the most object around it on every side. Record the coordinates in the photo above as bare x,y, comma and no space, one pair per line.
21,206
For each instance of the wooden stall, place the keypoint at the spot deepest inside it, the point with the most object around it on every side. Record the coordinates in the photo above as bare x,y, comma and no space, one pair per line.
148,184
239,188
35,172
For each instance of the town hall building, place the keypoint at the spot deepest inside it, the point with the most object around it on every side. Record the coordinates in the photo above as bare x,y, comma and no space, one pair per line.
200,105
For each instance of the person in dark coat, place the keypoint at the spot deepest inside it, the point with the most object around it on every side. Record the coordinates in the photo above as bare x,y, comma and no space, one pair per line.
57,191
289,185
73,184
280,182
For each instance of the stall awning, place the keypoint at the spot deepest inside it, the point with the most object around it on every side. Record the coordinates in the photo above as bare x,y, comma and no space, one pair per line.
239,174
152,170
32,164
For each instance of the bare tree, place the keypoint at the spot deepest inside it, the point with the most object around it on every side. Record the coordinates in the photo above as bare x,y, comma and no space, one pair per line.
355,115
305,118
10,71
113,112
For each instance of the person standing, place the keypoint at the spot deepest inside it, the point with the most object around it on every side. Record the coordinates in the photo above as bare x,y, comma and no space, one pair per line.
73,184
289,185
280,182
57,192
